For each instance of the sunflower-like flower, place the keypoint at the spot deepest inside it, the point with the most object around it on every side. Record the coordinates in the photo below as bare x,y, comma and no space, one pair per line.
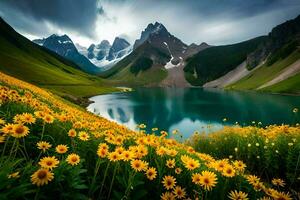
7,128
239,165
228,171
127,155
178,170
207,180
169,182
139,165
170,163
44,146
167,196
84,136
102,152
252,179
189,162
179,192
278,182
73,159
114,156
48,119
151,173
72,133
19,131
49,162
28,118
42,177
61,148
238,195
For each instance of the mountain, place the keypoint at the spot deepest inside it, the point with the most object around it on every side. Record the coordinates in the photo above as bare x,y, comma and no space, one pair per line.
39,41
117,49
23,59
282,41
64,46
275,64
214,62
105,55
98,51
154,53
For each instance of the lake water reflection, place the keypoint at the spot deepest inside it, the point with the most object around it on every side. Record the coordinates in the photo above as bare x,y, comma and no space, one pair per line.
191,109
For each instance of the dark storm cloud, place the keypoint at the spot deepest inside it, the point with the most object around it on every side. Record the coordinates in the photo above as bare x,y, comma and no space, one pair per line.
77,15
213,21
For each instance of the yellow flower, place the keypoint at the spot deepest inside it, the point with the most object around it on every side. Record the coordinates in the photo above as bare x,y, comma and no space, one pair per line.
42,145
179,192
139,165
114,156
73,159
170,163
28,118
178,170
252,179
48,119
49,162
196,178
14,175
19,131
295,110
83,136
167,196
228,171
238,195
190,163
42,177
61,148
239,165
151,173
127,155
169,182
119,150
208,180
282,196
8,128
72,133
278,182
102,152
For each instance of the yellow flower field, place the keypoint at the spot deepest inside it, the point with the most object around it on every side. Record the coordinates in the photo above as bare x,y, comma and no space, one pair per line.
52,148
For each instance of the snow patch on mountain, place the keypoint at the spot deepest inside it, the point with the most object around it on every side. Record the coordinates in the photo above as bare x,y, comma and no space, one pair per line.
169,64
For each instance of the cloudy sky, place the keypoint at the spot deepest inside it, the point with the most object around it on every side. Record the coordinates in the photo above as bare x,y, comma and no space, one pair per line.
89,21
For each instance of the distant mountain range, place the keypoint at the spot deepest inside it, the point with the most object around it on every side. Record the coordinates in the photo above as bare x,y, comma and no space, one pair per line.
95,59
105,55
64,46
158,58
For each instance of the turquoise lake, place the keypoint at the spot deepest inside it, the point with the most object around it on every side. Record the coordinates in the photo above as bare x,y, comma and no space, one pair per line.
194,109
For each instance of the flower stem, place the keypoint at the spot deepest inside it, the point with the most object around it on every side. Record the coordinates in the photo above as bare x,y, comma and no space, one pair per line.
98,163
112,181
102,184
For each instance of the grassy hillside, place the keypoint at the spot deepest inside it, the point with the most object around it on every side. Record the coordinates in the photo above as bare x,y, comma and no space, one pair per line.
266,73
143,66
51,149
25,60
290,85
215,62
